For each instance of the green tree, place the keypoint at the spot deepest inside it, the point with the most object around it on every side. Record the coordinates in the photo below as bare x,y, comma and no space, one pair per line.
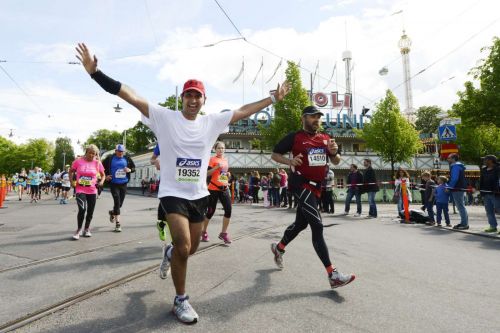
427,119
170,103
37,152
9,161
288,112
476,142
480,106
104,139
63,153
139,137
390,134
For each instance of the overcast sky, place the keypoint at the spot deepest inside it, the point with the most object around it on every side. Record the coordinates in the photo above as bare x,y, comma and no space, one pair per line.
156,45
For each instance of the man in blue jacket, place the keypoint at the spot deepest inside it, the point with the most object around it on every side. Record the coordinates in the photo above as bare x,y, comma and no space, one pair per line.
118,168
457,185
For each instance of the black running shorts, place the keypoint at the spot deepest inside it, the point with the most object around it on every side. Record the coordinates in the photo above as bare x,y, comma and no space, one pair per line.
194,210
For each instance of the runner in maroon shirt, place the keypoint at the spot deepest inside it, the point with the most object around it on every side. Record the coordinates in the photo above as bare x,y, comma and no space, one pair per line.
310,151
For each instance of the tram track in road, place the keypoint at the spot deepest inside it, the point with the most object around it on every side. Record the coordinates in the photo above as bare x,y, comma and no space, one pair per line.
46,311
69,255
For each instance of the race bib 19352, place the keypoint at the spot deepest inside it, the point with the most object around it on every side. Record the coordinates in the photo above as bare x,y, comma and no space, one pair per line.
316,156
187,170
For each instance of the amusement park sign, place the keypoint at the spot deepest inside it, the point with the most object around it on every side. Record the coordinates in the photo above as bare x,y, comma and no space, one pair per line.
335,121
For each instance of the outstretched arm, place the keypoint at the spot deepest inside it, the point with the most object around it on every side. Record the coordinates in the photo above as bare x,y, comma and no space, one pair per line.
249,109
107,83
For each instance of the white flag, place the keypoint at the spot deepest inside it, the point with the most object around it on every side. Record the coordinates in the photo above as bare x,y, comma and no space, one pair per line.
241,72
260,68
331,77
275,71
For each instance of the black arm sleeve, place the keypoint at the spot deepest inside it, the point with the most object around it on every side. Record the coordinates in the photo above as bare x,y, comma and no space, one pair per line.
106,83
131,164
105,164
285,145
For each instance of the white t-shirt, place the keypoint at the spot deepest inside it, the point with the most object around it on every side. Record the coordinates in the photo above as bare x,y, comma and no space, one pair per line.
185,149
57,177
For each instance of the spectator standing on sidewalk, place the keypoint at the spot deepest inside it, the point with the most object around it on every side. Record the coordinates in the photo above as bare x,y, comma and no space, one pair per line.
442,197
327,195
400,177
264,183
370,187
354,178
428,198
275,194
489,184
456,185
284,187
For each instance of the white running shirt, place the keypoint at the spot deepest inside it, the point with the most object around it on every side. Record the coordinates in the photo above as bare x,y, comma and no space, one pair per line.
185,149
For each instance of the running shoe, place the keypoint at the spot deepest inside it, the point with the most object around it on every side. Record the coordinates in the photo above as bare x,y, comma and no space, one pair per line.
490,229
165,263
76,236
111,217
278,255
118,227
184,311
338,279
204,237
357,215
161,231
86,233
225,237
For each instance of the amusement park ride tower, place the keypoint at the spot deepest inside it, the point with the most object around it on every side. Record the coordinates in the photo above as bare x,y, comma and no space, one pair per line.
347,57
404,45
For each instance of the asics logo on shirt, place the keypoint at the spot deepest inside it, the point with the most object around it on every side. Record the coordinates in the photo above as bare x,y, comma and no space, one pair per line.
316,150
188,162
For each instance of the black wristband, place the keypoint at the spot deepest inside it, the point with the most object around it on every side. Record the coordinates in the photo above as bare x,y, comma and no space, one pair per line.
106,83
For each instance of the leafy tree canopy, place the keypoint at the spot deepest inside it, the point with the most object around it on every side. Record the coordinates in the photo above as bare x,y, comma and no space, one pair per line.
287,116
427,119
390,134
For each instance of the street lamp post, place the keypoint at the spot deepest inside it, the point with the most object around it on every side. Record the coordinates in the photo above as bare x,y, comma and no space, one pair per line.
64,160
125,139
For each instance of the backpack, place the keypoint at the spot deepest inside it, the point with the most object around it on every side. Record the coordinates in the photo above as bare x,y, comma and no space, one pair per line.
416,216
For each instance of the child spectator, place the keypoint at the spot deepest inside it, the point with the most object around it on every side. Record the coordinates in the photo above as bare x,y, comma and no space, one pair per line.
442,196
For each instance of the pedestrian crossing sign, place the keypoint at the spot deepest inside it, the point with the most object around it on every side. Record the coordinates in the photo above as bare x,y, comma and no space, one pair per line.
447,133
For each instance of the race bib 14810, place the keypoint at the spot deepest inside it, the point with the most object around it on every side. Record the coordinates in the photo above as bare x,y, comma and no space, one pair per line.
187,170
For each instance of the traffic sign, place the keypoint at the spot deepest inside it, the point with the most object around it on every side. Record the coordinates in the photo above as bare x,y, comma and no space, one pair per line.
447,133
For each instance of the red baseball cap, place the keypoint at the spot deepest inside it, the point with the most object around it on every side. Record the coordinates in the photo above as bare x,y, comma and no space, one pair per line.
194,85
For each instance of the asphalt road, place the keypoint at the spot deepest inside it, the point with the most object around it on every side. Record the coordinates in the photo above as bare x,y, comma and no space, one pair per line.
410,278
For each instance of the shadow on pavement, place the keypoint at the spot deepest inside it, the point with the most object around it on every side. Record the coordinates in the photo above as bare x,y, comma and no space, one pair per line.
215,310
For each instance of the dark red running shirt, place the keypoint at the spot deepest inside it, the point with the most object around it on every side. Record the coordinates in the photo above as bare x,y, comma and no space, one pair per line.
314,150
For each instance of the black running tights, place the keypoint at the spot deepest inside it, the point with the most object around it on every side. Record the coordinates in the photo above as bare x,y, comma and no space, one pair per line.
308,214
86,204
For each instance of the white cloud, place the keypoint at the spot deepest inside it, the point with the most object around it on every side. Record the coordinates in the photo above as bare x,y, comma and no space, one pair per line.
79,107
